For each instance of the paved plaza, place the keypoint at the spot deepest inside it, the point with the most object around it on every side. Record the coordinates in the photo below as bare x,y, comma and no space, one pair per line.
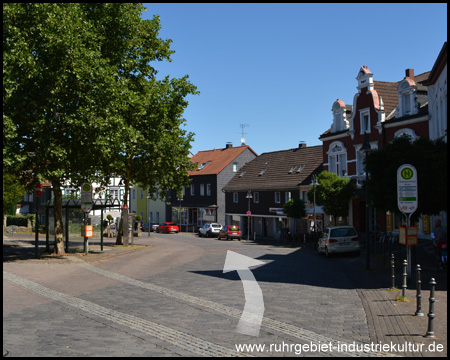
168,296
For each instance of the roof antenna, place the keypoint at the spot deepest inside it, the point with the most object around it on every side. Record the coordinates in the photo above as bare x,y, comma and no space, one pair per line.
243,133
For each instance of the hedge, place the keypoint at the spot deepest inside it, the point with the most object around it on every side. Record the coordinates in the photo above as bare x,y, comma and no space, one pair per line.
20,220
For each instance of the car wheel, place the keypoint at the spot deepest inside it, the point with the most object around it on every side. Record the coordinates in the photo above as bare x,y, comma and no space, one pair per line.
327,254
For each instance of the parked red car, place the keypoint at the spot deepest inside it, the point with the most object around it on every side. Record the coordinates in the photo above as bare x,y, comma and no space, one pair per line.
230,232
168,227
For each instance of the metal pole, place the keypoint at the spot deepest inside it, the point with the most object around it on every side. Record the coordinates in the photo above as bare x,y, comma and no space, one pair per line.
392,272
430,331
101,229
86,244
367,223
47,235
408,249
36,239
405,265
419,294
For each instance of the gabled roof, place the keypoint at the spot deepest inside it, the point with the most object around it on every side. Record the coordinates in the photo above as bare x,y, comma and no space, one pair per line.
212,162
281,170
388,93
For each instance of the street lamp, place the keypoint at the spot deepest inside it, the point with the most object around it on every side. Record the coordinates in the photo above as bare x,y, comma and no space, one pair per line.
365,148
314,183
249,196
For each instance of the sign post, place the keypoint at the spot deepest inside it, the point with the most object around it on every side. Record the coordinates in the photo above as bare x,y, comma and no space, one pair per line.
86,206
407,197
38,190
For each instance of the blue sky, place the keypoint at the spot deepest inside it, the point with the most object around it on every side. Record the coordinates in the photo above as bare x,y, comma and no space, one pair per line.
278,68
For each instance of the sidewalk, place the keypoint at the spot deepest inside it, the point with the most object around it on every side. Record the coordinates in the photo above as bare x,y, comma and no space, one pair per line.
392,321
21,247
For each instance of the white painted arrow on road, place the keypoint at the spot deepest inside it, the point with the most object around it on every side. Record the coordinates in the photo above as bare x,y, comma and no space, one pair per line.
252,316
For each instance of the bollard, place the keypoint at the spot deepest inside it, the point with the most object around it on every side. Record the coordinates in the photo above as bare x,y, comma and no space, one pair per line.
392,272
405,277
430,331
419,294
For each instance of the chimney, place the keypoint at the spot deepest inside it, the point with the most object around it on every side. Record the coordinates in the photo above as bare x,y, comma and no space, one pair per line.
228,145
409,73
301,145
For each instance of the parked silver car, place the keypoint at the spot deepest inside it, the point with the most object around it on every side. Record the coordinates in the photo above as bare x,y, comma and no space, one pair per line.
209,230
339,239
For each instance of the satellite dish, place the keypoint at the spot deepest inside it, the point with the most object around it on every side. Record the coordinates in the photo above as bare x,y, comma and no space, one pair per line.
243,140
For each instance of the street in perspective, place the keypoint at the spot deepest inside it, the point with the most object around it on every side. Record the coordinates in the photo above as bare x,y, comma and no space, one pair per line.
177,295
225,180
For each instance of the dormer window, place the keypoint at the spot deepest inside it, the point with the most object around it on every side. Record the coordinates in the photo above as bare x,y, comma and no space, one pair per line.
406,97
202,166
340,121
300,168
292,169
262,172
243,173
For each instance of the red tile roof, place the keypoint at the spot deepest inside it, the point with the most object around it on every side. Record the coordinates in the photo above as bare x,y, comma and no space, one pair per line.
216,160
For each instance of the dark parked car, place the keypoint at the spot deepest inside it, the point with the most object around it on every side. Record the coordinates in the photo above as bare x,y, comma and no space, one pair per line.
168,227
153,227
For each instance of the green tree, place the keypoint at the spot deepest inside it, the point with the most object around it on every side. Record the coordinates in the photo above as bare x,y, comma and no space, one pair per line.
13,192
333,193
80,98
430,160
294,208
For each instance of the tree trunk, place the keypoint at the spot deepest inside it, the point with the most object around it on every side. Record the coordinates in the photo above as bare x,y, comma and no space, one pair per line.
59,229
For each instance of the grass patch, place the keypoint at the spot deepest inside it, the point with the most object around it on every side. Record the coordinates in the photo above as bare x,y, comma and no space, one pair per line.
401,298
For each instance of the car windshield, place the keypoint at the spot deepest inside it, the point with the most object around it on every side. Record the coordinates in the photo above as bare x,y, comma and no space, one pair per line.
342,232
234,228
216,226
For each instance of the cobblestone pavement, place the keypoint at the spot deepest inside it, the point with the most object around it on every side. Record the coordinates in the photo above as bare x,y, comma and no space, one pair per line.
169,297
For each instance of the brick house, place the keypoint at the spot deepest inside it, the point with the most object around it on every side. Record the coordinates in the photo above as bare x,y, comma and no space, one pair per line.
272,179
383,110
203,201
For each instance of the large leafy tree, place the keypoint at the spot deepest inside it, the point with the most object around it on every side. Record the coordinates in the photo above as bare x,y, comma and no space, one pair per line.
333,193
430,160
79,89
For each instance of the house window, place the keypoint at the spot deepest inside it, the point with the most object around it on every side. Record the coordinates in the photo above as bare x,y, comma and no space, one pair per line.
287,196
192,190
365,121
141,194
262,172
235,197
337,159
134,194
202,189
256,197
305,196
235,167
208,189
277,197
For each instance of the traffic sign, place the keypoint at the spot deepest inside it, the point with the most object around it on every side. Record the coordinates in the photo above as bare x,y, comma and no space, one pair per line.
86,197
407,188
38,189
249,213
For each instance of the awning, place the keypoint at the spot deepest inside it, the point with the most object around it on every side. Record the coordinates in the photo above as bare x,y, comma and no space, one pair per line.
319,210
